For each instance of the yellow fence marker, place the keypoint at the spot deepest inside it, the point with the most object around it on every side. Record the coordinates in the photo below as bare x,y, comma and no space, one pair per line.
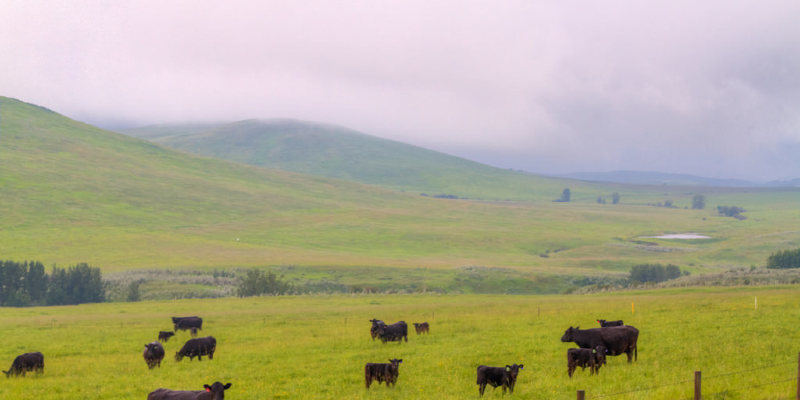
756,301
632,309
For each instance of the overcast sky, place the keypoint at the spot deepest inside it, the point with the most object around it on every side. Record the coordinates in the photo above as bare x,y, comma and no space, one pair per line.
710,88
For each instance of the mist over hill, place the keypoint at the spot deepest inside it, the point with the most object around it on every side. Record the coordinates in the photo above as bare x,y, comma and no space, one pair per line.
337,152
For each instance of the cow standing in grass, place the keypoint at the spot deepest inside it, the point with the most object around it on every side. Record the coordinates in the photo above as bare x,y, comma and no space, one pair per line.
199,347
422,327
606,324
165,335
617,339
153,354
382,372
376,324
394,332
592,358
505,377
27,362
187,323
213,392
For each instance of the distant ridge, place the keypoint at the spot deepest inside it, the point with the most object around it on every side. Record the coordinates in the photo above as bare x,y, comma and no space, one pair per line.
337,152
657,178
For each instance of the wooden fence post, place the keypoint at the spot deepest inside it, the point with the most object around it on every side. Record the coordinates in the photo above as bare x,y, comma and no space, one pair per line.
581,395
696,385
798,376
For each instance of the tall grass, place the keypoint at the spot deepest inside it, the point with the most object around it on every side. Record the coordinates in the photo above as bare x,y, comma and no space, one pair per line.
315,347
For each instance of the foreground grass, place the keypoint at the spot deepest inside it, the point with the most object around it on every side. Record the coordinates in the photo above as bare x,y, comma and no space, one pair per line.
315,347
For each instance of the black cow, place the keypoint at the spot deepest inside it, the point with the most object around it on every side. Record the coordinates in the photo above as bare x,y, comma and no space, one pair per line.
26,362
422,327
617,339
382,372
213,392
506,377
592,358
606,324
376,324
187,323
165,335
153,354
394,332
199,347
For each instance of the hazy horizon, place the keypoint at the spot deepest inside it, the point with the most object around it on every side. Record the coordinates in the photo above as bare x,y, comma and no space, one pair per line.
708,89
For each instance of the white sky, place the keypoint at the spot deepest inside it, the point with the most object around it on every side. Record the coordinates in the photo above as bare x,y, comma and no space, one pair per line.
710,87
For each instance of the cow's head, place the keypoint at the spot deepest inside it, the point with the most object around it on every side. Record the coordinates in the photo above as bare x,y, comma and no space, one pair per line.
511,373
376,322
600,354
395,363
569,334
217,389
178,356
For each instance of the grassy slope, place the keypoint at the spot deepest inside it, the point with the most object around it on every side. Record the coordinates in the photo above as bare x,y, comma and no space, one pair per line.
315,347
336,152
71,193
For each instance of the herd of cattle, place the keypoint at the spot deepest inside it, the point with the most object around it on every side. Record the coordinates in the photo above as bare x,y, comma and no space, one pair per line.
613,338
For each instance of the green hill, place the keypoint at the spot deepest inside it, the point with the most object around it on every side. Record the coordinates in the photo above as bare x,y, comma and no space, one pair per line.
336,152
74,193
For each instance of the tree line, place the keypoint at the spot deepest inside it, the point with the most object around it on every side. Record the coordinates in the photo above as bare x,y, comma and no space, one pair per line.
784,259
28,284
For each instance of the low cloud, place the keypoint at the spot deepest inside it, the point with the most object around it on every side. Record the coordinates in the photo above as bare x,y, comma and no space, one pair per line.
707,88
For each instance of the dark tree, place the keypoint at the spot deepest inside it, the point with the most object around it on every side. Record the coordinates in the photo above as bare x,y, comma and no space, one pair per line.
784,259
565,196
133,291
698,202
257,283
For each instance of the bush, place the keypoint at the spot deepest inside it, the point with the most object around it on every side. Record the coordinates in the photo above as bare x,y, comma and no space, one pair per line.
784,259
698,202
731,211
654,273
257,283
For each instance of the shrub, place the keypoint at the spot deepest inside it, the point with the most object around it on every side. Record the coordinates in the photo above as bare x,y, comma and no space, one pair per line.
257,283
654,273
731,211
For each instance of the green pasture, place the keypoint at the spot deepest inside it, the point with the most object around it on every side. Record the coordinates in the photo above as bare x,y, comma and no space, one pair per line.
74,193
315,347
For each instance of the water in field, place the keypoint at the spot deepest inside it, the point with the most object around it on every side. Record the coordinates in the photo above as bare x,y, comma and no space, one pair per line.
684,236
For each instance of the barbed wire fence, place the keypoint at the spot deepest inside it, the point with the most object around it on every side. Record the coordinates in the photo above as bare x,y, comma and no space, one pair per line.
698,379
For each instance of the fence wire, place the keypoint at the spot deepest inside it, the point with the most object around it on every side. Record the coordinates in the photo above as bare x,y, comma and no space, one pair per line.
648,388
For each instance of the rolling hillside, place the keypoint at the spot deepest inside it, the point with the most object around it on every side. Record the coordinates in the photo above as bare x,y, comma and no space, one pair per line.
73,193
336,152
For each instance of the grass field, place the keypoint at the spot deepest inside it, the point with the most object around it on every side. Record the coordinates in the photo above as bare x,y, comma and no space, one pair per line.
74,193
315,347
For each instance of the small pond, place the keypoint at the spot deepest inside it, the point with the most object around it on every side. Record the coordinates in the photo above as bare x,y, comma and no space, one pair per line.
684,236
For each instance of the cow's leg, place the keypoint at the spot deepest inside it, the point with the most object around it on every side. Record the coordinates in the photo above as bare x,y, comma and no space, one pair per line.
481,388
